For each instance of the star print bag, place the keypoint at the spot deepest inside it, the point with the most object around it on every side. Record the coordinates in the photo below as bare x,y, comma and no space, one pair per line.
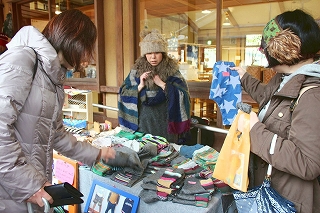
225,90
263,199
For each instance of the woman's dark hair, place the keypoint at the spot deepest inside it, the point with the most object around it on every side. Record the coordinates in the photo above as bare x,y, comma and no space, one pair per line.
74,34
305,27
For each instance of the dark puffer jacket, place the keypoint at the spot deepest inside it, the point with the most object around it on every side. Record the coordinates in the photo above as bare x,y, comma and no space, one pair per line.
296,159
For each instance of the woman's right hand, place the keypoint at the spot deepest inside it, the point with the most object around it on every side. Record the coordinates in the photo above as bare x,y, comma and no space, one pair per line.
107,153
41,193
240,70
143,77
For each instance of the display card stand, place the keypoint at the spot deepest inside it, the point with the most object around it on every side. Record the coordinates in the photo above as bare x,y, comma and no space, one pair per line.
64,169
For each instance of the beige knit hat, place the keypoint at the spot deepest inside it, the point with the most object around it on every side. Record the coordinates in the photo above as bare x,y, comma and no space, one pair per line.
152,41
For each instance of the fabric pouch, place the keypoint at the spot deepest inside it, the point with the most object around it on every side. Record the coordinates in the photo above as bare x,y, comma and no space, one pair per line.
263,198
64,194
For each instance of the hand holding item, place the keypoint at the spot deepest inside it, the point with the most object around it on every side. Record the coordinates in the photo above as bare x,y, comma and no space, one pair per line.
253,120
107,153
240,70
143,78
37,197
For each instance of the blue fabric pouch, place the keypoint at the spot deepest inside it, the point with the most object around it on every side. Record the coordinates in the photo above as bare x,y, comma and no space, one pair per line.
262,199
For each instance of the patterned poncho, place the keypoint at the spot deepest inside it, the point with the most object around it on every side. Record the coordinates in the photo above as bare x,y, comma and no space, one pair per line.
175,94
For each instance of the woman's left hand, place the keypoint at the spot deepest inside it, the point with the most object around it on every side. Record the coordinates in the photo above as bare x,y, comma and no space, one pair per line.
240,70
157,80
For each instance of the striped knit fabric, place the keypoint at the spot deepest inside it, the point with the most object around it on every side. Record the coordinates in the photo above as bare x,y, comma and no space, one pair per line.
207,159
197,192
205,197
129,135
176,95
101,169
189,166
201,204
159,141
168,178
164,157
207,184
222,186
125,178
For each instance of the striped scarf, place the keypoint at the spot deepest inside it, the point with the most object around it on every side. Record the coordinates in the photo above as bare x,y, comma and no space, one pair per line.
176,94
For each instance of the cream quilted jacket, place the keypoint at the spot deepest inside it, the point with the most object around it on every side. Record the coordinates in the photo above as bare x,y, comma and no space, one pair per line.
31,119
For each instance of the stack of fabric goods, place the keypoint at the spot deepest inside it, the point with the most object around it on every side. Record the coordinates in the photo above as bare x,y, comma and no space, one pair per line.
133,163
177,178
163,159
188,165
169,172
206,157
129,165
161,185
170,184
103,169
195,192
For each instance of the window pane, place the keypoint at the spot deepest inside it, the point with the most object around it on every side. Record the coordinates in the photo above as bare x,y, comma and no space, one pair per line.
193,24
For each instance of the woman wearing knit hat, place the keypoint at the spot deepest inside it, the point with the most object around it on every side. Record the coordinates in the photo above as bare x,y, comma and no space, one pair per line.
154,98
290,42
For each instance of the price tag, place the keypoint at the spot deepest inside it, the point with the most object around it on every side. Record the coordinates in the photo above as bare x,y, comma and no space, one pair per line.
64,171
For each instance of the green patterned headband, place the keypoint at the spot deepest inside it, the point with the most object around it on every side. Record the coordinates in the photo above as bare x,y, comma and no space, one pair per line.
271,30
283,45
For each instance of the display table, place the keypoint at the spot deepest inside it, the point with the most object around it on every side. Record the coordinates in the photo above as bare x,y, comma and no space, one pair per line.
86,178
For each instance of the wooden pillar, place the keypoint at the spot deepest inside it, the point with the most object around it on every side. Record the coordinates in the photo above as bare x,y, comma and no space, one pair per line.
219,49
51,8
68,4
1,14
218,31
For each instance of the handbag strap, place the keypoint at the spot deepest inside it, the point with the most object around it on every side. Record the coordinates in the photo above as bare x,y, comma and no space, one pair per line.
296,101
272,147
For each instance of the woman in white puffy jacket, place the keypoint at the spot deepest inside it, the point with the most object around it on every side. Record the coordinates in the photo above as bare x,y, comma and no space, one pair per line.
31,107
